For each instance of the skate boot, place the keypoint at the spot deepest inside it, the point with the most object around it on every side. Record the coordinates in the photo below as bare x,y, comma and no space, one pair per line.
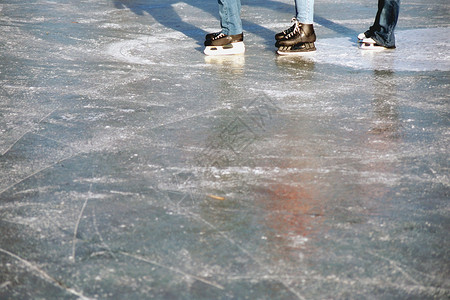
222,44
361,36
366,42
296,40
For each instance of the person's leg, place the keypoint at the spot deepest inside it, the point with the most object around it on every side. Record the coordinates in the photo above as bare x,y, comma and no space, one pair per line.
230,16
303,29
300,37
304,11
382,30
230,39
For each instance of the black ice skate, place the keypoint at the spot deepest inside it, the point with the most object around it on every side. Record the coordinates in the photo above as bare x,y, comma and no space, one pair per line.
298,39
300,33
222,44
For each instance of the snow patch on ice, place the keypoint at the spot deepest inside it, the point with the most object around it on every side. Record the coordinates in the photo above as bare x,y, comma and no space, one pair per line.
417,50
111,26
123,51
298,240
149,50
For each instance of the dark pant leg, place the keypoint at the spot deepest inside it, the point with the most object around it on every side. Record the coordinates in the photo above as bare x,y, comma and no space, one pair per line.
382,30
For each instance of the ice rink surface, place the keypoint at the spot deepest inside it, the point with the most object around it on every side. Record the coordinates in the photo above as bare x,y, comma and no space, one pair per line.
134,167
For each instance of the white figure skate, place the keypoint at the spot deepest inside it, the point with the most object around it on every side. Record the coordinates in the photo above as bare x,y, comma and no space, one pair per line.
366,43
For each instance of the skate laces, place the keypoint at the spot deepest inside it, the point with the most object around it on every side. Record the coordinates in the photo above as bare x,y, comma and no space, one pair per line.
219,35
293,29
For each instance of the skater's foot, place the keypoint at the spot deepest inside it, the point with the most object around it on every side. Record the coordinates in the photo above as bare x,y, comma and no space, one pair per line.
301,33
222,44
298,49
221,39
367,42
370,44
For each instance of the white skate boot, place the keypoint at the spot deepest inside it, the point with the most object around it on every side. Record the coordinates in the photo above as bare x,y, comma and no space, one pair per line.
361,36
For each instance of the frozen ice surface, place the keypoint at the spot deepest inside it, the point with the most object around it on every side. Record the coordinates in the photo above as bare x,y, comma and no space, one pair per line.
132,166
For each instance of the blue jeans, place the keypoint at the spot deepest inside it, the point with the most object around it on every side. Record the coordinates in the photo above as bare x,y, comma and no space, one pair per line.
230,16
304,11
382,30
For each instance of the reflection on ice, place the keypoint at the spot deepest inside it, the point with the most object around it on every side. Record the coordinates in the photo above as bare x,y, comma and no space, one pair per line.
233,63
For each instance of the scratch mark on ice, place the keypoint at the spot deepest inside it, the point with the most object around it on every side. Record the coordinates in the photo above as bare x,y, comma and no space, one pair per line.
100,236
35,173
43,275
140,258
239,247
4,284
186,118
75,231
396,266
28,131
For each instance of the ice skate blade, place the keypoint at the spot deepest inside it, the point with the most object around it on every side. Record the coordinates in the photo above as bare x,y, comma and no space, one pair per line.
295,53
371,46
230,49
297,50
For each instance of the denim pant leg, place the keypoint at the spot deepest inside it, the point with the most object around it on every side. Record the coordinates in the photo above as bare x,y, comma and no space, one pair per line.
304,11
382,30
230,16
